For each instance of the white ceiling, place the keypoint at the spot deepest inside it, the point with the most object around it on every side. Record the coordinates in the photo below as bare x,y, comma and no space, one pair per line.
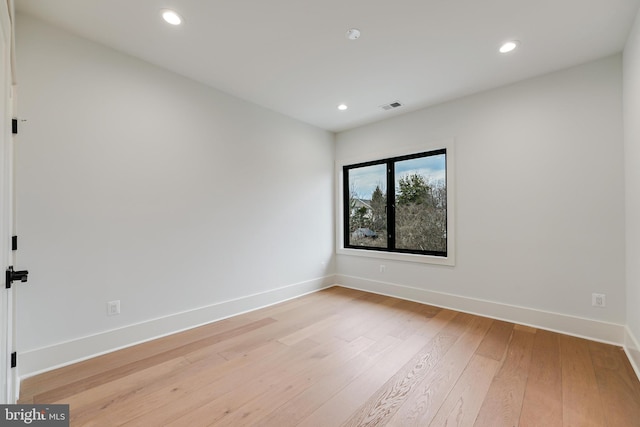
292,56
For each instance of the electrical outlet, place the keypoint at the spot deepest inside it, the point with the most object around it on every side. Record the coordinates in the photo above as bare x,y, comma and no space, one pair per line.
383,268
113,308
598,300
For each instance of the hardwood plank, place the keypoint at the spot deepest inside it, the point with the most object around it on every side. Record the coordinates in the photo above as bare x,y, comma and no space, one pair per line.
48,381
293,322
188,393
525,328
417,315
542,406
218,397
282,386
397,314
311,330
306,402
132,400
496,341
337,409
503,403
463,403
332,299
87,404
329,295
77,386
372,314
340,407
381,406
423,403
582,404
618,390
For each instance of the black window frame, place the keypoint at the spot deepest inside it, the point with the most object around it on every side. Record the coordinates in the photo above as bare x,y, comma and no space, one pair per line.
391,205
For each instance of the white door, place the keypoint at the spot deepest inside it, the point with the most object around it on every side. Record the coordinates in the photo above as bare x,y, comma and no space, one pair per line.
7,375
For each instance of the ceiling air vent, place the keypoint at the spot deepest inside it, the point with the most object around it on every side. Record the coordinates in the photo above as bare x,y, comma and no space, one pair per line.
391,106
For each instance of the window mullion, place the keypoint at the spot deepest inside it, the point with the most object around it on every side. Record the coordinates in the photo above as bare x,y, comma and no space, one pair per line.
391,206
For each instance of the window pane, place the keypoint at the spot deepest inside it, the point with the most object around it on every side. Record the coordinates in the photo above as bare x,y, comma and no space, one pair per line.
421,204
367,206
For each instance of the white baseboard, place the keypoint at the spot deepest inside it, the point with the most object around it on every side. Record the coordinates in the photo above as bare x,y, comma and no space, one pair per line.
632,348
609,333
44,359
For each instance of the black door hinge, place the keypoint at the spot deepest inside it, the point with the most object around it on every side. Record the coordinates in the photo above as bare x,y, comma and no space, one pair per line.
14,243
14,359
12,276
14,126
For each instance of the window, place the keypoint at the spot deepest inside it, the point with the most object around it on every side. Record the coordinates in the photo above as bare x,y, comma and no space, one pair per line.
397,204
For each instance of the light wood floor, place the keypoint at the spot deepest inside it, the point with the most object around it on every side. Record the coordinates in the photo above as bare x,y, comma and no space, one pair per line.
347,358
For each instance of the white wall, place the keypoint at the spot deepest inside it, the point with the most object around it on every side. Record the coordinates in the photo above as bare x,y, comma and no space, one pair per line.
138,185
539,201
632,181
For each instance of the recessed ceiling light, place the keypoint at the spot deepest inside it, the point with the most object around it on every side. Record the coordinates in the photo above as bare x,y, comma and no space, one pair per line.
171,17
342,107
353,34
509,46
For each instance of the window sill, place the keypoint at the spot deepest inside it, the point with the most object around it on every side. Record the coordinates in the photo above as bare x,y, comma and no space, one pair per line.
424,259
